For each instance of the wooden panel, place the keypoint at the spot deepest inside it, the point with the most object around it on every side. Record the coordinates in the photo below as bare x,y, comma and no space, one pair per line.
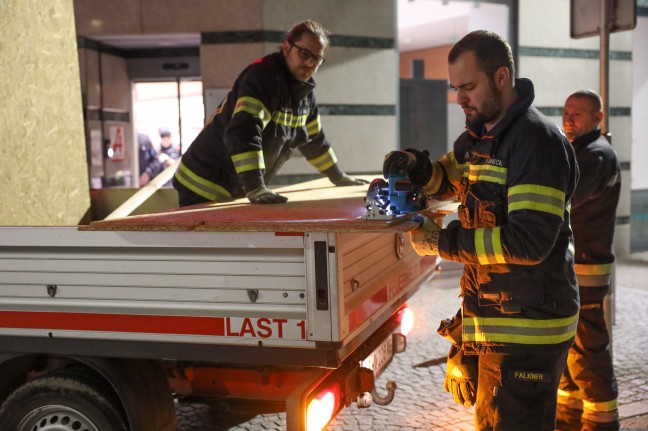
315,206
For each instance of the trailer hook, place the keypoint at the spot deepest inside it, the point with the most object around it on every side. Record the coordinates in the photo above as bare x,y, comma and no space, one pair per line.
383,401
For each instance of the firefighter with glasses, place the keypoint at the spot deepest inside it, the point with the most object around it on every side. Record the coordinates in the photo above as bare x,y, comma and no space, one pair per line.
270,112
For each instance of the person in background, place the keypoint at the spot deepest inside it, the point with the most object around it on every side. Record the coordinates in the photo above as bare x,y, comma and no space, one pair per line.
270,112
587,396
514,173
165,157
148,163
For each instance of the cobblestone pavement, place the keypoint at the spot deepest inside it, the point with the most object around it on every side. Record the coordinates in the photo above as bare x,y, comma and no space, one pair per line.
421,404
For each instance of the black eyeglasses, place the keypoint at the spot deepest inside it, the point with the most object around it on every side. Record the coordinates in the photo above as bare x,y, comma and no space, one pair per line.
306,55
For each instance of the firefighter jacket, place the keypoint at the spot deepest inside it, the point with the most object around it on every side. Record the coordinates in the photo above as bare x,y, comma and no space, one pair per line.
264,118
594,208
514,184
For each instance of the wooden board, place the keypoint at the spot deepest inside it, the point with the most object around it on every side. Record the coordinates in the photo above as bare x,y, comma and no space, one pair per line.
315,206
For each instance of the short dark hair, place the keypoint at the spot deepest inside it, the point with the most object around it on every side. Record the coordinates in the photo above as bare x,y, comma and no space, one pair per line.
491,51
592,96
308,26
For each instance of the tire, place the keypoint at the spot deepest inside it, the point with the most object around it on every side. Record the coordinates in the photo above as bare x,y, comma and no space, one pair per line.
66,400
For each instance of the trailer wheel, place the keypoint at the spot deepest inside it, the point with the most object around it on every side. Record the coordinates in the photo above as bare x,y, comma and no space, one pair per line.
63,401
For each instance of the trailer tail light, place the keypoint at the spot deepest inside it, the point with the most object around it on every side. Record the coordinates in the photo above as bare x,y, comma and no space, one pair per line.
322,408
406,321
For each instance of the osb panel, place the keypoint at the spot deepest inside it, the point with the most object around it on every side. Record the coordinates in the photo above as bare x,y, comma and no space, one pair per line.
43,173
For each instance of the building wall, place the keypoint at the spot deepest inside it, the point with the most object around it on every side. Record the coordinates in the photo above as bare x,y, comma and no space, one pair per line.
559,65
356,87
43,171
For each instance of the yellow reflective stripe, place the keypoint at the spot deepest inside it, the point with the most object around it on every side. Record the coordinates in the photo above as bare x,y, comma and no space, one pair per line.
253,107
202,187
593,269
252,160
453,169
325,161
601,406
594,275
314,127
489,173
519,331
288,119
488,245
435,180
538,198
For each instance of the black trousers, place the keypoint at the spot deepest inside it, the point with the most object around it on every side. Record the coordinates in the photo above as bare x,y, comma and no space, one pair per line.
589,391
517,392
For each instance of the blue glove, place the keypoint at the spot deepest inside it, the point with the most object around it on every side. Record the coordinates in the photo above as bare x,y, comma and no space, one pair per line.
425,239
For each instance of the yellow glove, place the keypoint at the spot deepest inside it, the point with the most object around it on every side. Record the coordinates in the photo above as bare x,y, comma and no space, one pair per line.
425,239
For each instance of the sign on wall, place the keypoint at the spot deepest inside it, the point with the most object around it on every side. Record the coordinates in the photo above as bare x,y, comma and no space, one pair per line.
586,16
117,148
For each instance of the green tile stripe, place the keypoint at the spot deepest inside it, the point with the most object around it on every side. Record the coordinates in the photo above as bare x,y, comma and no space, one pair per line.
531,51
341,109
93,45
96,114
259,36
557,111
642,11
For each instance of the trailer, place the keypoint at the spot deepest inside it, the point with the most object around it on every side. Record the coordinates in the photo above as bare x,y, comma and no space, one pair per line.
296,307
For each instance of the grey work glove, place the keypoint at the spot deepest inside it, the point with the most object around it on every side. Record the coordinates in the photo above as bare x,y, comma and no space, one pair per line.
425,239
461,376
263,195
346,180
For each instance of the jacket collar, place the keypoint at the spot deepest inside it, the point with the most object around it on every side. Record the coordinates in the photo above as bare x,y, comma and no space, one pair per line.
298,89
586,138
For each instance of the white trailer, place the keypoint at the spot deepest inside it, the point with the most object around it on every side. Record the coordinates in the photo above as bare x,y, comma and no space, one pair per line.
295,307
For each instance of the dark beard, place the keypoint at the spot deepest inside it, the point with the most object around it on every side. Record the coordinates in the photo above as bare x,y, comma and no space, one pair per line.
491,108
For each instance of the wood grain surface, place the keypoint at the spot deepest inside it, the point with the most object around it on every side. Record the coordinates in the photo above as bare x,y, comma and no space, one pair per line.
314,206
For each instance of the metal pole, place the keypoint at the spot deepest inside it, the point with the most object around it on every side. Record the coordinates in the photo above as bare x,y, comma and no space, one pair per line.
604,74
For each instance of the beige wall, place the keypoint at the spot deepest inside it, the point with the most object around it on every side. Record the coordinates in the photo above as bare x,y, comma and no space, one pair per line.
43,173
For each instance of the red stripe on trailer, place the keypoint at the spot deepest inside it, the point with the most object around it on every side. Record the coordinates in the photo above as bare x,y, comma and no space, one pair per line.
189,325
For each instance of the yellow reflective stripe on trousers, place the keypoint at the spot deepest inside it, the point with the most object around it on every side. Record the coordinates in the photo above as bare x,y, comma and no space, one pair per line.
250,161
593,275
200,186
538,198
288,119
519,331
325,161
488,173
254,107
488,246
314,127
601,412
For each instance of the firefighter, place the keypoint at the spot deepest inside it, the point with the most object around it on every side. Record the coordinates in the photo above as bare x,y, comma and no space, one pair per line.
587,396
269,112
513,173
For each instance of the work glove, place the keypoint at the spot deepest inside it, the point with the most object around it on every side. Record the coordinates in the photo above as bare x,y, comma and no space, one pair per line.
425,239
263,195
461,376
416,164
346,180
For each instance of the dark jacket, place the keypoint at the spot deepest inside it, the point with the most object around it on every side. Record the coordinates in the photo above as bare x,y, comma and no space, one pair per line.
594,205
514,238
264,118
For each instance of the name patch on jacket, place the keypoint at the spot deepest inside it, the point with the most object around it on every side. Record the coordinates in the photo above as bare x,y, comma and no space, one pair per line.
529,376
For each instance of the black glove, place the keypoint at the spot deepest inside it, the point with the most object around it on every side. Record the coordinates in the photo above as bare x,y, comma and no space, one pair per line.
346,180
415,163
461,376
263,195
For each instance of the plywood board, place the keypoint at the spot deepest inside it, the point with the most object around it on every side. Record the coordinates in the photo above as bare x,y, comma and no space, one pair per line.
315,206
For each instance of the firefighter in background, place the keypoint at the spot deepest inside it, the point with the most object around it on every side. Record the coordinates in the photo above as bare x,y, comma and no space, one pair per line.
270,112
587,398
514,173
